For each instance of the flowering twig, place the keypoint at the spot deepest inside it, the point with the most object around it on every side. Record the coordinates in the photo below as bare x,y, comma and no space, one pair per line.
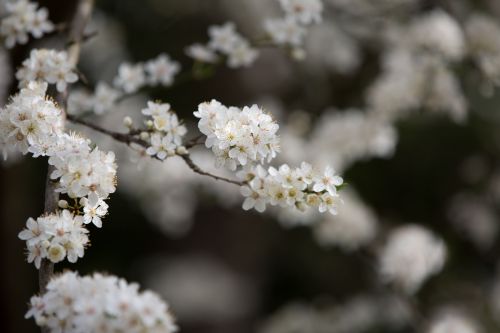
80,20
129,138
126,138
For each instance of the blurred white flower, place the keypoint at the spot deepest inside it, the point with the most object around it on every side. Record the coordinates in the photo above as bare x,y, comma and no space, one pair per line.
23,18
130,77
161,70
49,66
475,218
411,255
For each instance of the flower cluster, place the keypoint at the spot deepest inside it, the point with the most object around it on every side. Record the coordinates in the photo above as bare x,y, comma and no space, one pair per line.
55,237
228,42
238,136
99,303
47,65
84,172
291,30
438,33
161,70
32,123
166,132
24,18
417,69
158,71
301,188
354,134
411,255
285,31
29,121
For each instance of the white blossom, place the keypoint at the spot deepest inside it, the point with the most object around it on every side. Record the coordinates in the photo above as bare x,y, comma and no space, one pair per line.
130,77
161,146
299,188
94,208
101,101
55,237
79,101
242,55
285,31
99,303
30,122
79,174
23,18
438,32
161,70
225,39
168,132
238,136
47,65
355,135
411,255
412,81
201,53
104,98
475,218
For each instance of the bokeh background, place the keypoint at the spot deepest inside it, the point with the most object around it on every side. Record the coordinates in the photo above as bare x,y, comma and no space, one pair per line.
226,270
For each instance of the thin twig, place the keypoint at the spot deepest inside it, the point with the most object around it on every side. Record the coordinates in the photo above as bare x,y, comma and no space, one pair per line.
122,137
197,169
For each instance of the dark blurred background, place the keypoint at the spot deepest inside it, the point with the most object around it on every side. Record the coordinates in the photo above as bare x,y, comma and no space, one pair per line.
281,265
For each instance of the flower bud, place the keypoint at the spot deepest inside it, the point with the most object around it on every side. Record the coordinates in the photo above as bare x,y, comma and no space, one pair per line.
127,121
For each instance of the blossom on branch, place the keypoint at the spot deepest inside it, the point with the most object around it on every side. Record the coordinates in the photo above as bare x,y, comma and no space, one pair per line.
55,237
30,122
238,136
99,303
49,66
299,188
166,132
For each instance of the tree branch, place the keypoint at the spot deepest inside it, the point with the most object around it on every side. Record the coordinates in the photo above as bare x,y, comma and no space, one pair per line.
129,138
199,171
76,32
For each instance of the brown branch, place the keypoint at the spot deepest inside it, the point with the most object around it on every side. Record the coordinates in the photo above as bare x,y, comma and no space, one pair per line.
199,171
76,32
129,138
126,138
51,198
